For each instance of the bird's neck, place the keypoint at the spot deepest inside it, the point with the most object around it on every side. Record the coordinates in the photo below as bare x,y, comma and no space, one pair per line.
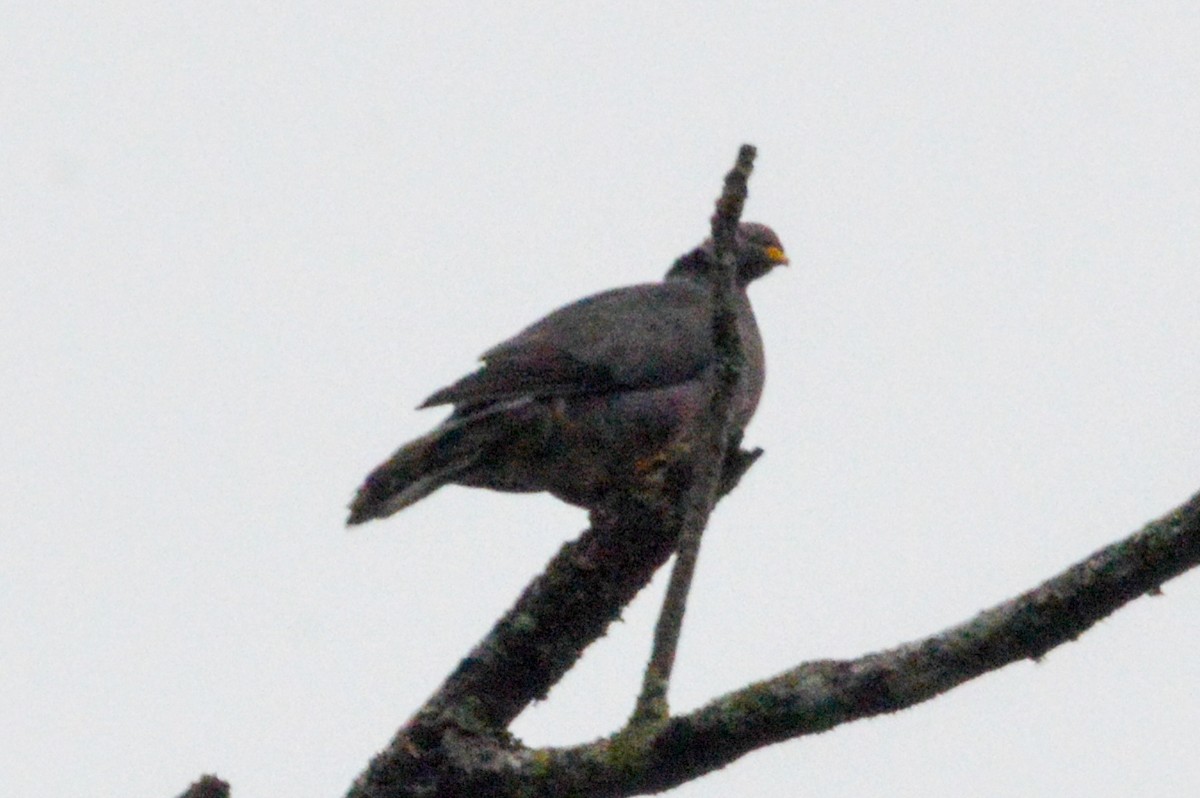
697,266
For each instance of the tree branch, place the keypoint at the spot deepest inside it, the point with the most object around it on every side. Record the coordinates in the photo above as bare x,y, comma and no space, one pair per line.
711,445
207,786
820,695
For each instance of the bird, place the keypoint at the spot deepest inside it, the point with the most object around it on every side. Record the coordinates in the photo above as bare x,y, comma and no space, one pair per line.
591,397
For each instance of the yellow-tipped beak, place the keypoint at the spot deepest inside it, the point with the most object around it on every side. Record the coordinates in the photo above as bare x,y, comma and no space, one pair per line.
777,256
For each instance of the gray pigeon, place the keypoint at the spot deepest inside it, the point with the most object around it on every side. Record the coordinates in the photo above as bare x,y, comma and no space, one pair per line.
590,398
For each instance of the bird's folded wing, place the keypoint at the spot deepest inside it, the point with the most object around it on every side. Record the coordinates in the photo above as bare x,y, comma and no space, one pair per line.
640,337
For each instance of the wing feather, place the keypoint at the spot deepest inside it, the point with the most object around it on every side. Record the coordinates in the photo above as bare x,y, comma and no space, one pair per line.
640,337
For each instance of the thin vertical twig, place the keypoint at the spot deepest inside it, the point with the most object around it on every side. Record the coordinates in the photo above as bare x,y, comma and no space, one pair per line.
713,443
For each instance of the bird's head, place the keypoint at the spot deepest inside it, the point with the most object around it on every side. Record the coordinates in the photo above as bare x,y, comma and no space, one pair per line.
758,251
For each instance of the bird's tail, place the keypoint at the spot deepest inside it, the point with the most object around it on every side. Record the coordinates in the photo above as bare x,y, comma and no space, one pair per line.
417,469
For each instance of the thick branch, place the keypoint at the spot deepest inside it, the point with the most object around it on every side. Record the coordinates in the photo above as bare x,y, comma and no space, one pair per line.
207,786
818,696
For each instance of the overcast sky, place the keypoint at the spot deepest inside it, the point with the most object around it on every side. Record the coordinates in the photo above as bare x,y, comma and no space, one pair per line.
240,244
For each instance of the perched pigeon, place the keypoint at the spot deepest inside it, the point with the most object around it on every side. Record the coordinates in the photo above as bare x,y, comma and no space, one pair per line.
588,399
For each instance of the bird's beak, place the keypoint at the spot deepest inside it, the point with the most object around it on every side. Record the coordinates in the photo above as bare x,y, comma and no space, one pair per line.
777,256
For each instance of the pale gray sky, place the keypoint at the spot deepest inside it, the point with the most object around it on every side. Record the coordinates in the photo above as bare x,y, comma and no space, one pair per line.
241,243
